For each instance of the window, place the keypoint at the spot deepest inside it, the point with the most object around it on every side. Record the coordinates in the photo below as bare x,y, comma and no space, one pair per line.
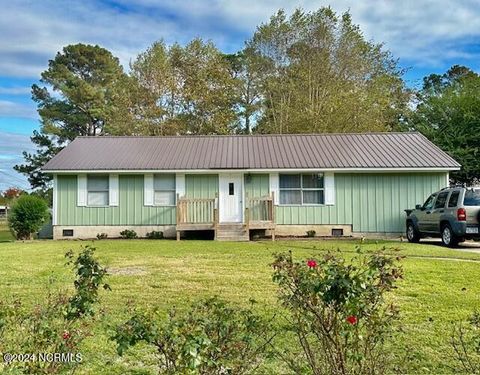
300,189
472,198
231,190
452,202
429,202
164,189
97,190
442,198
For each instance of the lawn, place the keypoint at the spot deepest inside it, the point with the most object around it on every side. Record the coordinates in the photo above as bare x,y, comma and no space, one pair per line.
440,287
5,234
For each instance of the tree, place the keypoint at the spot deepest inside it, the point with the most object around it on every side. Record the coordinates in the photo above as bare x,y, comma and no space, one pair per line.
246,70
77,99
27,215
448,113
189,90
319,74
12,193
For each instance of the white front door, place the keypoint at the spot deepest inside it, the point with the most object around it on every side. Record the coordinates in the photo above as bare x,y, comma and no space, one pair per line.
230,198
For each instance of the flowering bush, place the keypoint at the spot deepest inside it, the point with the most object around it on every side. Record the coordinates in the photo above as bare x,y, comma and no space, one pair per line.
57,325
337,311
210,338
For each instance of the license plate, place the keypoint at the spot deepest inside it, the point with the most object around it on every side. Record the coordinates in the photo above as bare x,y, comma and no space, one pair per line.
472,230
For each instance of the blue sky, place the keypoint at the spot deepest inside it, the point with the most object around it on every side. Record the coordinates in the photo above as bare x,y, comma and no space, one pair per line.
425,35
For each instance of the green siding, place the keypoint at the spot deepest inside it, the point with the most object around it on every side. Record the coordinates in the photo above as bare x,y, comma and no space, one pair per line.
369,202
257,185
130,210
201,186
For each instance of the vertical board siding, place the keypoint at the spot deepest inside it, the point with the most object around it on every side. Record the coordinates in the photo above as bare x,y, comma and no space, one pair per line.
130,210
257,186
201,186
369,202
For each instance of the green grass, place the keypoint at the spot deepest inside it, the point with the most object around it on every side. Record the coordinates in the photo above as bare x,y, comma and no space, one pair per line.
440,287
5,234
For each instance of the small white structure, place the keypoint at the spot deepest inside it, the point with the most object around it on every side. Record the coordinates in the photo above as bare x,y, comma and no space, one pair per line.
4,212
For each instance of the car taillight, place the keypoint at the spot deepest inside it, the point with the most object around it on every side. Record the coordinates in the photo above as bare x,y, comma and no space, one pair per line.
461,214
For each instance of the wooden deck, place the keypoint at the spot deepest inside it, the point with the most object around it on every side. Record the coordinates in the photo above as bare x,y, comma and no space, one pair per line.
202,214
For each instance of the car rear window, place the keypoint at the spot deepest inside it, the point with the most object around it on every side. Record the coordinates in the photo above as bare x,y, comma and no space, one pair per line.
452,202
472,198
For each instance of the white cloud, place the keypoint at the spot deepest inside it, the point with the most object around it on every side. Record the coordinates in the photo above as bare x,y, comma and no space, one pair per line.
12,109
11,148
15,90
423,32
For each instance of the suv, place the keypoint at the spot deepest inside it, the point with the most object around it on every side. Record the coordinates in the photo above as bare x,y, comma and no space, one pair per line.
452,214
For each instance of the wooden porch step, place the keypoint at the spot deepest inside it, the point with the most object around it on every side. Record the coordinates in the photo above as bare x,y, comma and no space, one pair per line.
232,232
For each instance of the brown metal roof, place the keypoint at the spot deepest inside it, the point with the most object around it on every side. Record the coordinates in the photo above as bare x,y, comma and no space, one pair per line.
371,150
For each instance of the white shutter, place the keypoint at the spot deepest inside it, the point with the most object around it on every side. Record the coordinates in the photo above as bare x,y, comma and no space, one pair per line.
274,187
148,189
113,190
329,181
180,184
82,190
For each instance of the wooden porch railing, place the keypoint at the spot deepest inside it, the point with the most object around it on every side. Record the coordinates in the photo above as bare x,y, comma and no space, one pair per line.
195,211
260,213
196,214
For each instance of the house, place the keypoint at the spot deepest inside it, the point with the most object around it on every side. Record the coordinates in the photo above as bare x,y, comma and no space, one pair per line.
334,184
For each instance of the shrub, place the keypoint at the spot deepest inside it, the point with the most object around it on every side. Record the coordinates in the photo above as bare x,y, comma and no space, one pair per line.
89,278
128,234
210,338
311,233
337,311
102,236
466,345
56,325
154,235
27,215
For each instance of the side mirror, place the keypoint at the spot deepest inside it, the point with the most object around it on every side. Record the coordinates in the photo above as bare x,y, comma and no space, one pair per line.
418,206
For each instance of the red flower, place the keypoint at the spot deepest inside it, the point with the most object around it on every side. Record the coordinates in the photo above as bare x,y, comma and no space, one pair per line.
66,335
352,319
311,263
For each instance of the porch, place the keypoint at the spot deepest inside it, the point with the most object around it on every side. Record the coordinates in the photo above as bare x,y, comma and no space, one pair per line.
196,214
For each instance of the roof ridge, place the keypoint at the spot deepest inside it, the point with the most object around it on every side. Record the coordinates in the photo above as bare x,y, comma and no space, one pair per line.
246,135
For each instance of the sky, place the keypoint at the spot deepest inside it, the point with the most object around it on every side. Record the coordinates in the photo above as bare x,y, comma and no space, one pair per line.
427,36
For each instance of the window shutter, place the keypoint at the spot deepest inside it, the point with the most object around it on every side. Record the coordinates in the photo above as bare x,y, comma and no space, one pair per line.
274,187
113,190
329,181
81,190
148,189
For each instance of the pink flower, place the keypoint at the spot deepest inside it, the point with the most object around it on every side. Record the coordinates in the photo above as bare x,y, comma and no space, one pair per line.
352,319
311,263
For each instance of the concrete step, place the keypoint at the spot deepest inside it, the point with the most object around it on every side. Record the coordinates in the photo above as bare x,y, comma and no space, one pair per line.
233,239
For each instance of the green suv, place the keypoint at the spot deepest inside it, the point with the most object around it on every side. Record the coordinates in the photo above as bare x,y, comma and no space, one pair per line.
453,214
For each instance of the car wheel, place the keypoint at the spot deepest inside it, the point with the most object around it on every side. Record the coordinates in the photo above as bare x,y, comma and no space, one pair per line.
412,233
448,238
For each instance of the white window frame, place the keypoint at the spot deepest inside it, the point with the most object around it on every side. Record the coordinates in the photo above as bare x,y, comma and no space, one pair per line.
98,191
302,189
174,190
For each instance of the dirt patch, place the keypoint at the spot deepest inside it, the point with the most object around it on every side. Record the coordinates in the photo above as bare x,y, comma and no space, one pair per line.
127,271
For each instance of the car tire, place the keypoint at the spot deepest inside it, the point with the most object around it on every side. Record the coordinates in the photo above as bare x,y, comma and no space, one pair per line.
412,234
448,237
